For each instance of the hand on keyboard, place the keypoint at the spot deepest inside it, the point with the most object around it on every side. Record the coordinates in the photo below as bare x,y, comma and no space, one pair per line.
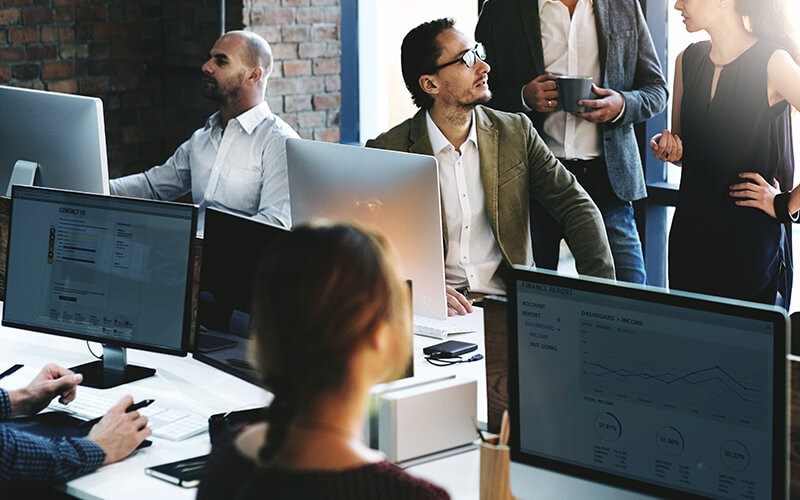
119,432
165,423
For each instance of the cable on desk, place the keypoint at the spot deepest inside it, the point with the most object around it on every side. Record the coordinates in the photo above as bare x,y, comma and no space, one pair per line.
444,359
89,346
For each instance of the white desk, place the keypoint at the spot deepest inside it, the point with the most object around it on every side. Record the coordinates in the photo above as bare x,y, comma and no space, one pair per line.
190,384
178,383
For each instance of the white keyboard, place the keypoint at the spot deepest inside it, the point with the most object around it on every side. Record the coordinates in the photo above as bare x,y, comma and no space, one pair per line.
165,423
440,329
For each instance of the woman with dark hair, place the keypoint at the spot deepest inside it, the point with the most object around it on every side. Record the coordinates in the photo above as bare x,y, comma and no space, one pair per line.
731,130
331,319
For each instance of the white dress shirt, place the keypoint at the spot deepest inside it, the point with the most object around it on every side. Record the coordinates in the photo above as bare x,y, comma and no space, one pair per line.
473,255
240,168
570,48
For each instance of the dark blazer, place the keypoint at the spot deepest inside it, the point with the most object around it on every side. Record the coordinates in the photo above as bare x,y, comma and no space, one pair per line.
509,29
516,165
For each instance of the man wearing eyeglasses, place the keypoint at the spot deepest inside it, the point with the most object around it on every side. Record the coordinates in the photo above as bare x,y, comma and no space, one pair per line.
491,164
530,42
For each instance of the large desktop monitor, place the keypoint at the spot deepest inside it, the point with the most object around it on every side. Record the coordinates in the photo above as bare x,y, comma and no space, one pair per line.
232,248
101,268
396,192
52,139
675,395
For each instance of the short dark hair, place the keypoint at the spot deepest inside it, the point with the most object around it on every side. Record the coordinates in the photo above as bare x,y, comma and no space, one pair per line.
418,56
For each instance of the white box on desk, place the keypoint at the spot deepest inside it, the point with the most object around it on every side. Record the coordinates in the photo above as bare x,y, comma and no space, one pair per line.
413,418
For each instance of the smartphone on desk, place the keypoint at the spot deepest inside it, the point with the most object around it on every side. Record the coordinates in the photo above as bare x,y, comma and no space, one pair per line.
185,473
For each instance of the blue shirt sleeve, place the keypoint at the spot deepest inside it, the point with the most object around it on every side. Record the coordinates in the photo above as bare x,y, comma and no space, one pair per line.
30,461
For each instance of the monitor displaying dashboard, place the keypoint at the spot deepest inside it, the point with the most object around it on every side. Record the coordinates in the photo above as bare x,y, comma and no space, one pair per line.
396,192
101,268
233,246
52,139
673,394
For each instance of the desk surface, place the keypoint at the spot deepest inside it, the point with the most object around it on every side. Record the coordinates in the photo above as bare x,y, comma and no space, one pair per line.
188,383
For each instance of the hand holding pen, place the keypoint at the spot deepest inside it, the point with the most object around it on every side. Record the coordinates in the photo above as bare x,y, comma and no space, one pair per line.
120,430
136,406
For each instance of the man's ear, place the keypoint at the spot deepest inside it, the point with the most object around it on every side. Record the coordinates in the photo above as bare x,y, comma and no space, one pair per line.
428,84
255,75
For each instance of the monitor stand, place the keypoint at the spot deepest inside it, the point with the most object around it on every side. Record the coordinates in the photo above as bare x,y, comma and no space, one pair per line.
112,370
25,173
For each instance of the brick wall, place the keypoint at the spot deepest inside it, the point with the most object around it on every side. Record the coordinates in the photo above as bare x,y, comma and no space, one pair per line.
304,87
142,57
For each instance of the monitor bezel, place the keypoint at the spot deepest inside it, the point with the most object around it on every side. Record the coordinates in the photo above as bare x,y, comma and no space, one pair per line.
774,315
211,215
187,301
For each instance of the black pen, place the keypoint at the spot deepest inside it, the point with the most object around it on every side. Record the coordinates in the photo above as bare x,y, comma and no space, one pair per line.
136,406
10,370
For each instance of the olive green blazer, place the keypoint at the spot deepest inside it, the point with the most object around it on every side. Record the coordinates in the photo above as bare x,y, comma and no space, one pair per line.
516,166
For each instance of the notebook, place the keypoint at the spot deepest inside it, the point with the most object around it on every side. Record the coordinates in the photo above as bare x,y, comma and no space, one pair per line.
668,394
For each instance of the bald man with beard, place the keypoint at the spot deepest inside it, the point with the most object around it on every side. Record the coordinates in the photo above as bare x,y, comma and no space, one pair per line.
237,161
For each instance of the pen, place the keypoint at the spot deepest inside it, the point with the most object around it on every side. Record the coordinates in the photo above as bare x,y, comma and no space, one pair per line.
478,429
10,370
136,406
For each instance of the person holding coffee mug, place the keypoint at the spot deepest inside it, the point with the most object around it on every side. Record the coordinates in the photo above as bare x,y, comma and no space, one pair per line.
529,44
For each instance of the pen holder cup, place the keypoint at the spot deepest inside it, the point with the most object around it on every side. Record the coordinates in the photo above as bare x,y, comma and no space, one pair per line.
495,481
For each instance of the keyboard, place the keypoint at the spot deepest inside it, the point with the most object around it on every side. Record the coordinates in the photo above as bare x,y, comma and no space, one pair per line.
174,425
440,329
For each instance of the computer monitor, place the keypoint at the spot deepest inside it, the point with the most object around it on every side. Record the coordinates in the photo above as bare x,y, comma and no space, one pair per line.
396,192
233,246
52,139
678,395
101,268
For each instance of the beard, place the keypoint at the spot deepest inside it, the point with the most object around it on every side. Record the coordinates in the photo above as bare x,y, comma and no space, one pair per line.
222,92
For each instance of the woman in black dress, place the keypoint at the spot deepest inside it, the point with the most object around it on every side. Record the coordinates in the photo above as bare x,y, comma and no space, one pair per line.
731,123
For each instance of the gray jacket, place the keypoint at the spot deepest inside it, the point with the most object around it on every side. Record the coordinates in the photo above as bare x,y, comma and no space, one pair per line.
510,31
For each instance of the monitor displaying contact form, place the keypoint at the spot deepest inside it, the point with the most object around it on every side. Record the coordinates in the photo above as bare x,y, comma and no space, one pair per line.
97,267
673,396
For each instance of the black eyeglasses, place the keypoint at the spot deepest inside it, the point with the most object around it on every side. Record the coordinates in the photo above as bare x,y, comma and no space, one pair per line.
469,58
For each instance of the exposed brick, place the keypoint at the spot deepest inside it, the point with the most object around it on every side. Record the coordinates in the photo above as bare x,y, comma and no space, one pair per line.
271,34
295,3
66,86
297,103
23,35
12,54
325,32
49,34
327,67
67,33
66,2
327,134
73,50
310,50
304,133
279,16
327,101
310,15
25,71
332,14
40,52
324,2
93,86
56,70
333,83
296,68
33,16
275,103
295,33
64,14
284,51
10,16
332,119
5,73
310,119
